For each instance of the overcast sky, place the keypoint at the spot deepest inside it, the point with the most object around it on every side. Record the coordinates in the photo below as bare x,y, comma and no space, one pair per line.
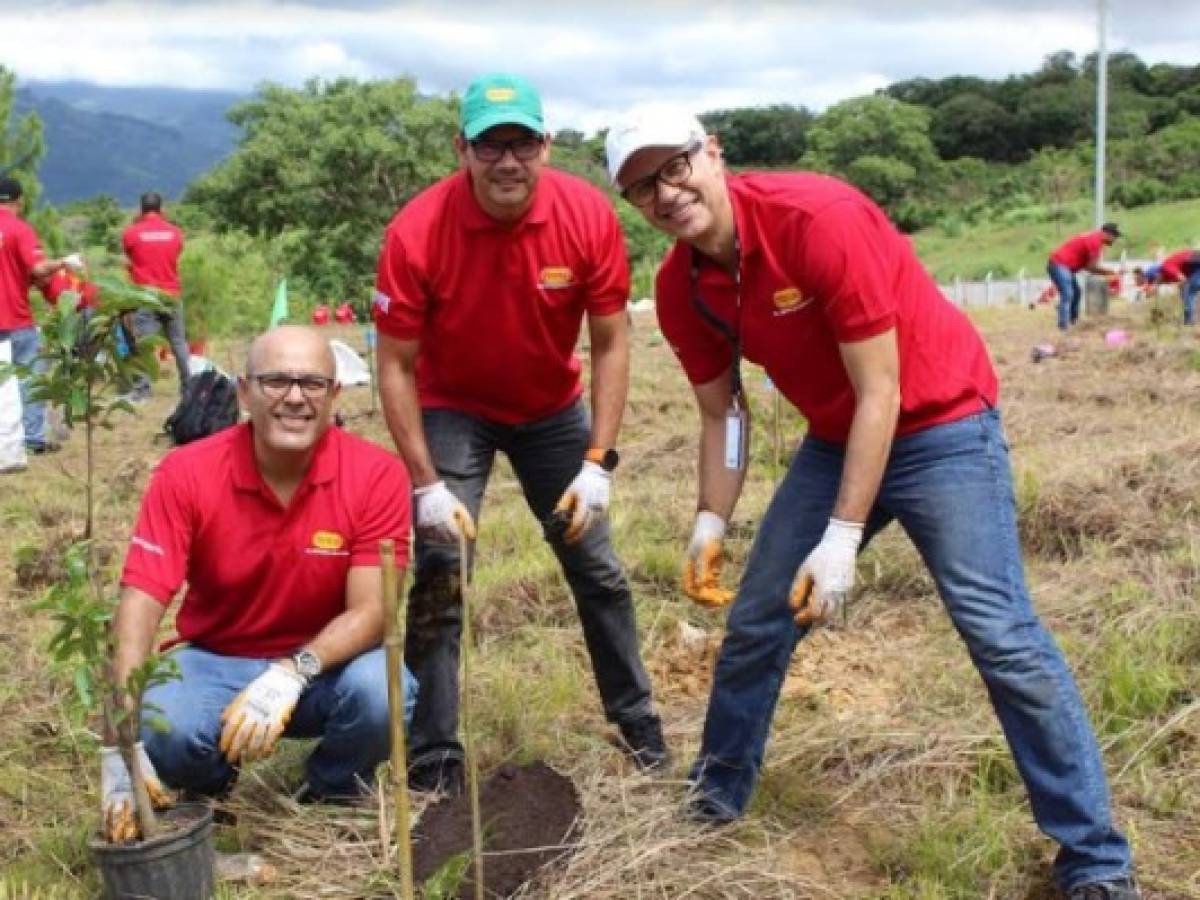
590,59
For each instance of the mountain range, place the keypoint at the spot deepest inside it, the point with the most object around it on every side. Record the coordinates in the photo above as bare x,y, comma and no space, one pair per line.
125,141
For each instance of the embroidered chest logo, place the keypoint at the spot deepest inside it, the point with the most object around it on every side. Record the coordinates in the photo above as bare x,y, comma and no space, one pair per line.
789,300
553,278
327,543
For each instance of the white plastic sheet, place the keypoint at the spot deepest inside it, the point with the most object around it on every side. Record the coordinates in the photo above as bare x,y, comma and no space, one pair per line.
12,434
351,368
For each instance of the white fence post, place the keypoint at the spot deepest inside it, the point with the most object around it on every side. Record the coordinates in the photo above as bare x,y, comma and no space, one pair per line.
987,289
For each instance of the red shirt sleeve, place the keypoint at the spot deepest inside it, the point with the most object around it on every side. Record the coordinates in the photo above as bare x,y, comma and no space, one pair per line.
156,561
700,349
400,301
386,514
842,260
608,282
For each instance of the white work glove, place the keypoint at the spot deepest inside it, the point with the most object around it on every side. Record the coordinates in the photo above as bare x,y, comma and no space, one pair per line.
74,262
117,806
440,515
257,716
585,500
703,562
826,576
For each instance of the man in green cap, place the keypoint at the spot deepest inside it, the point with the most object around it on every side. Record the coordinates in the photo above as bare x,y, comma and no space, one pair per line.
484,282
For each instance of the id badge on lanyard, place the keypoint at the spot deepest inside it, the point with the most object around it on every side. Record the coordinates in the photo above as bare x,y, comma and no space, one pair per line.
736,426
736,420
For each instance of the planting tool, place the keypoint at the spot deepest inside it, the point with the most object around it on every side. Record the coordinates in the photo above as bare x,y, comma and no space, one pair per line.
393,642
468,719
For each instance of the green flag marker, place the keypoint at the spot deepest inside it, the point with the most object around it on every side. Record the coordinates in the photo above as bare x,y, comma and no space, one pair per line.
279,311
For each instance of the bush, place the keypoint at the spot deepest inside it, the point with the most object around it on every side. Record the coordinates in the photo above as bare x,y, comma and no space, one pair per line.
228,284
1140,191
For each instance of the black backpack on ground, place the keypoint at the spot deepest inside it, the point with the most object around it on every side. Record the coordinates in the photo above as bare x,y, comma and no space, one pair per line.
208,405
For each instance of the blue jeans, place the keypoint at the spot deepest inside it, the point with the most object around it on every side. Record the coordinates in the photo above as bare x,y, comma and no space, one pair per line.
950,488
26,344
1188,291
1068,294
546,455
144,322
347,707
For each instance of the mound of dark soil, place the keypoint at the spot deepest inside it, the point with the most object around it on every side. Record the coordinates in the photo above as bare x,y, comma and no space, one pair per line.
529,814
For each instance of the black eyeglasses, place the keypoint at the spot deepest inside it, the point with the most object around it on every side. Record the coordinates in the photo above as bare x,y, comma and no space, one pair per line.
524,149
674,172
277,385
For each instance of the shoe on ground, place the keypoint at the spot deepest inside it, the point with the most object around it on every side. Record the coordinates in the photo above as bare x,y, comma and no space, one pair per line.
643,740
707,812
1112,889
43,447
444,776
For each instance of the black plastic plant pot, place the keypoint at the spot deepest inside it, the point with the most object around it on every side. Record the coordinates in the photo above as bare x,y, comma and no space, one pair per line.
176,865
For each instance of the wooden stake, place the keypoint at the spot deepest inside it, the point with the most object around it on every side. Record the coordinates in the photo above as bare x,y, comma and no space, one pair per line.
393,642
468,719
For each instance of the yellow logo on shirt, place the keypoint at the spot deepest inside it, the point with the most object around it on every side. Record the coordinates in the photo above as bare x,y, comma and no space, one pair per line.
553,277
500,94
328,540
788,298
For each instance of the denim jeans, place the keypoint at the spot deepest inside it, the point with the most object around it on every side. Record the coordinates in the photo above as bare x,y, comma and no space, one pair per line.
950,487
1187,292
546,455
347,707
144,322
26,344
1068,294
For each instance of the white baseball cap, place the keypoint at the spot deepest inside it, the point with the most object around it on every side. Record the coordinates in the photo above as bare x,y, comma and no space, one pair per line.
649,128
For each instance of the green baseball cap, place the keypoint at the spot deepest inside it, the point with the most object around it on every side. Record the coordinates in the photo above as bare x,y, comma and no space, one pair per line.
500,99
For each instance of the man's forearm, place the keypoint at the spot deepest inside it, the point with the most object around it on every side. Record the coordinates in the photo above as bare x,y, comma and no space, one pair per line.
402,410
610,381
349,635
134,627
720,486
867,451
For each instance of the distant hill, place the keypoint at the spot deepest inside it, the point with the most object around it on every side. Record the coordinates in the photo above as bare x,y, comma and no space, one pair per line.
124,141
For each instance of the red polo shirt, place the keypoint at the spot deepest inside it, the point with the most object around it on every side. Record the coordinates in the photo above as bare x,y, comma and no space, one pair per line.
1080,251
152,246
1178,266
19,253
822,266
263,579
498,307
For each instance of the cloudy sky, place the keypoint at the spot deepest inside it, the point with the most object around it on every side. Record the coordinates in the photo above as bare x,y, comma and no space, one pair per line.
591,58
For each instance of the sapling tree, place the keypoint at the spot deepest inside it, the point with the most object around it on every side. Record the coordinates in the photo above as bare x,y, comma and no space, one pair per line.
85,357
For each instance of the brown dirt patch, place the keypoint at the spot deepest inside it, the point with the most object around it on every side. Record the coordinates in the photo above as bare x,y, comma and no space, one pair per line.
529,814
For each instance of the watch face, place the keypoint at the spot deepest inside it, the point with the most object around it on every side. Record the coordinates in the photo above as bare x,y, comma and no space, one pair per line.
307,663
611,458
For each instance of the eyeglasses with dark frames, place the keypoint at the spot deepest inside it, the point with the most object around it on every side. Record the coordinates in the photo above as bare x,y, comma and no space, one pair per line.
674,172
524,149
278,385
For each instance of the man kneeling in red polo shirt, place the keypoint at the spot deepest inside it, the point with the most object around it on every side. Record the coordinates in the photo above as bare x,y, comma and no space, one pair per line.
275,525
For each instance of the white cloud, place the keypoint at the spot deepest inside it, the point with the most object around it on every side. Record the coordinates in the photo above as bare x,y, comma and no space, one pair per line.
591,61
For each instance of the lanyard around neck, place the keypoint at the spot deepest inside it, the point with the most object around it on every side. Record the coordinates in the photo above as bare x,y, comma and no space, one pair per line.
731,333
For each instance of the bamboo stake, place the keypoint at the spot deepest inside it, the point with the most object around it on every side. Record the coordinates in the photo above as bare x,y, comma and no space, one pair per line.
468,719
393,642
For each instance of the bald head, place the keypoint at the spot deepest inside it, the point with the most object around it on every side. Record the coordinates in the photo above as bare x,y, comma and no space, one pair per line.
291,348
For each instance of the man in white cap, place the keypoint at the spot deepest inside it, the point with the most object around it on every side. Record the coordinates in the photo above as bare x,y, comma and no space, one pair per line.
806,276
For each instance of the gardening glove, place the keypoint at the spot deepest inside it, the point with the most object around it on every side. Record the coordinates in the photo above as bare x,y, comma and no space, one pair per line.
702,565
74,262
257,716
585,500
116,793
826,576
441,516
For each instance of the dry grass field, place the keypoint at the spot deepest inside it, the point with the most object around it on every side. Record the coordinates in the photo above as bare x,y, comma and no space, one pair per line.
886,776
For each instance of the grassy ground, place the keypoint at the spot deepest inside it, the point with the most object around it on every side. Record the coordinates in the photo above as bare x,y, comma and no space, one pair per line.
1026,243
886,776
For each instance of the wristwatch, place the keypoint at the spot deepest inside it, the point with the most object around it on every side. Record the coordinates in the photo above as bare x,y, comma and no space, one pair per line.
605,459
307,663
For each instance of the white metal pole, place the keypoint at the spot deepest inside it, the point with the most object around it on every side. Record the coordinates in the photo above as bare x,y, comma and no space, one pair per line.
1101,106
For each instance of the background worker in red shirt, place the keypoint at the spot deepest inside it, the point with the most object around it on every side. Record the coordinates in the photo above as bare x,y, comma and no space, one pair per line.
152,249
22,265
275,526
806,276
484,281
1181,268
1083,251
